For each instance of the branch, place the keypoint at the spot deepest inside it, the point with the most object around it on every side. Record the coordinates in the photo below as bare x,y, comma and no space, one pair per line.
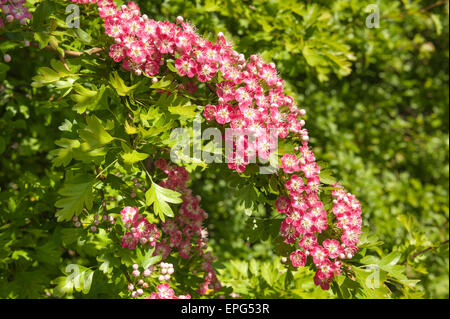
127,276
423,251
71,52
77,53
438,3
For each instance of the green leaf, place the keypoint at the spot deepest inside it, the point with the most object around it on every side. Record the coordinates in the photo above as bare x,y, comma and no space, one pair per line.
64,155
42,38
119,85
49,253
159,197
134,157
161,84
94,133
130,129
147,259
55,76
42,13
83,35
254,267
88,99
268,273
185,110
326,178
77,194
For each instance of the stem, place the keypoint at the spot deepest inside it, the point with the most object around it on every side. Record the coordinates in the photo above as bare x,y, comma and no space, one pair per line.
71,52
126,273
98,175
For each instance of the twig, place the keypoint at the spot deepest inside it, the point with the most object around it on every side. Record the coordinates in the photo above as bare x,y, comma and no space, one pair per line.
438,3
98,174
123,268
423,251
71,52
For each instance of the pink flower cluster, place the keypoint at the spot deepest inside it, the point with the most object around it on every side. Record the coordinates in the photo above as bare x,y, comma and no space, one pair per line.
306,218
141,231
250,98
165,292
140,283
185,233
14,10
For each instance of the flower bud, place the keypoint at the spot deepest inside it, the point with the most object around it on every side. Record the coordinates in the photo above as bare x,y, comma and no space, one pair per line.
7,58
136,273
147,273
93,229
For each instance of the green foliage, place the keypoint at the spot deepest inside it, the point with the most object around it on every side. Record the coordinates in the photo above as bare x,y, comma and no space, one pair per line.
159,197
77,132
77,194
